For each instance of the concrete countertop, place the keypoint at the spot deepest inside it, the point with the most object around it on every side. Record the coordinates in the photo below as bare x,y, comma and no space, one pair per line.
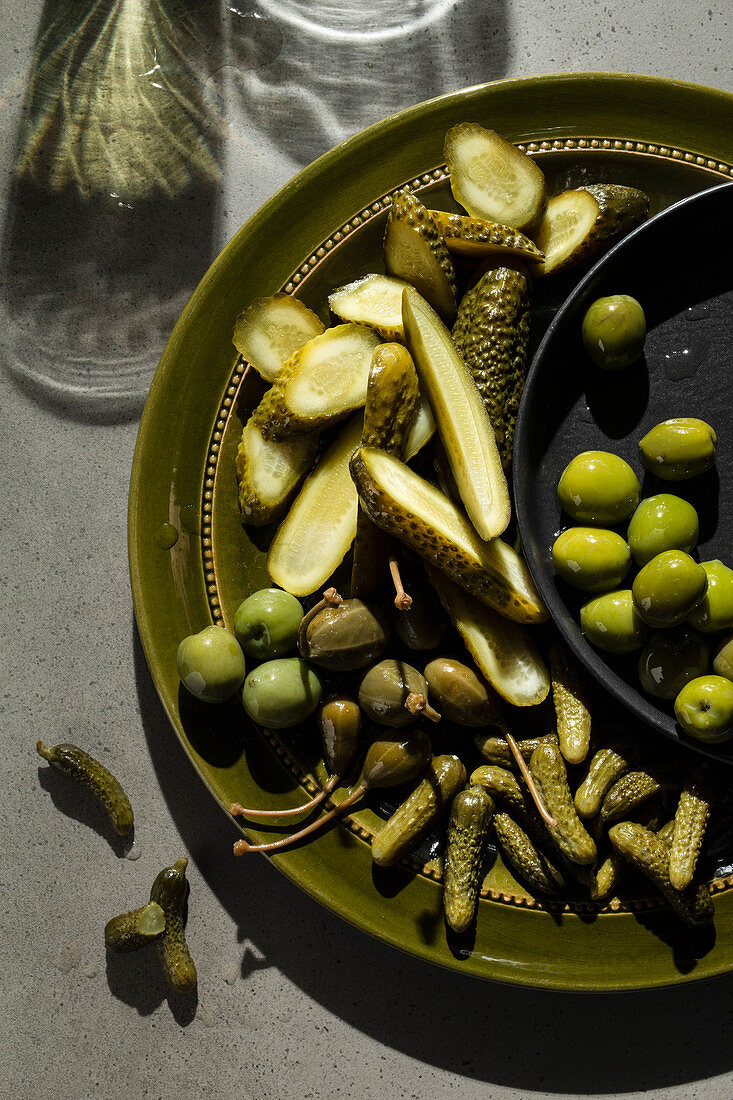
291,1002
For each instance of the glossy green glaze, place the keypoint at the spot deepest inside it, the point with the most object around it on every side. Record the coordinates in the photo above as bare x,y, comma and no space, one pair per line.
514,943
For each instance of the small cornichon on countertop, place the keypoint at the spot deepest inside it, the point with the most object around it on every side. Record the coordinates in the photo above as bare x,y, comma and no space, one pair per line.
95,777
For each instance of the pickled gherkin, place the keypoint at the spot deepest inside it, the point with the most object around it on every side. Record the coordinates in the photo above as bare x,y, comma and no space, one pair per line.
496,750
272,329
169,892
478,239
491,332
607,765
650,855
690,823
131,930
444,777
373,300
570,696
525,858
78,764
468,826
269,472
579,223
632,790
549,773
415,251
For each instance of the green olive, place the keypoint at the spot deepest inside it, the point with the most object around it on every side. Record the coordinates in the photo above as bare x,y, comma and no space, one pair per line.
614,331
704,708
662,522
670,659
598,487
611,622
211,664
723,662
281,693
591,558
266,623
678,449
668,587
715,610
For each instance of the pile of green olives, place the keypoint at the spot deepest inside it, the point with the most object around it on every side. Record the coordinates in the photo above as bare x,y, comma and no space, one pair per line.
674,603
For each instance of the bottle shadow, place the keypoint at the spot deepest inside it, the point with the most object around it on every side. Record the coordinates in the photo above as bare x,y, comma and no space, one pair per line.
435,1016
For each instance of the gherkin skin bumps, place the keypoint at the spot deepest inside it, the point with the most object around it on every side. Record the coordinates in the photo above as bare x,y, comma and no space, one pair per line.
169,892
95,777
491,332
650,855
468,827
415,251
445,775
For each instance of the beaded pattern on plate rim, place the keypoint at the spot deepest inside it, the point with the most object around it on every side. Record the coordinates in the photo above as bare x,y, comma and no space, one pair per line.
436,175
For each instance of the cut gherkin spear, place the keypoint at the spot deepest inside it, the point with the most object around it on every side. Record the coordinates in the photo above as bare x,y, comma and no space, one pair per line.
405,505
463,423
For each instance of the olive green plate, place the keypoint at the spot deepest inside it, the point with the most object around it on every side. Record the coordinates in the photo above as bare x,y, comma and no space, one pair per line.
322,229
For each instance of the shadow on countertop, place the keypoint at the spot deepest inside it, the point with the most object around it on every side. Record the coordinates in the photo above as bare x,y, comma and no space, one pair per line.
575,1044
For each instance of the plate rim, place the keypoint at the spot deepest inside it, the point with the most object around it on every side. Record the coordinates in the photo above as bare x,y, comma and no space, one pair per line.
293,868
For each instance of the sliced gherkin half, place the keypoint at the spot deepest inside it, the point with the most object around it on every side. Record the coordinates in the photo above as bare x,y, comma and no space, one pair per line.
463,422
269,472
374,300
272,329
502,650
320,384
405,505
317,532
478,239
415,251
492,179
579,223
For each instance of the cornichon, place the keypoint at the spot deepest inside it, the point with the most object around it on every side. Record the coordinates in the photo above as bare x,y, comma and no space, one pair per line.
320,384
650,855
169,892
524,858
491,333
468,826
614,867
477,239
95,777
463,423
496,750
632,790
319,529
572,710
607,765
549,773
272,329
269,473
391,400
579,223
492,179
131,930
690,822
373,300
444,777
415,252
407,506
503,650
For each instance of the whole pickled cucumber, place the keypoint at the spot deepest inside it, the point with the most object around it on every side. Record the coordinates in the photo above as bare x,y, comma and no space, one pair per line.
504,786
497,751
131,930
524,858
444,776
549,773
606,766
631,791
95,777
468,826
570,696
650,855
169,891
690,823
614,867
491,332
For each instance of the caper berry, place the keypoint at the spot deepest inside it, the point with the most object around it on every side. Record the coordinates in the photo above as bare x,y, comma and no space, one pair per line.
668,587
598,487
592,559
662,522
611,622
384,691
459,693
678,449
348,636
614,331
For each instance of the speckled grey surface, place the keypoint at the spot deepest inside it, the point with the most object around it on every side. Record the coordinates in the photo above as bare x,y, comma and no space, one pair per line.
291,1002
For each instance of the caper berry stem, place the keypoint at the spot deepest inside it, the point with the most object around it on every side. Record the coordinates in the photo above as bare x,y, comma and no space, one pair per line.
548,819
330,598
417,703
243,846
402,600
237,810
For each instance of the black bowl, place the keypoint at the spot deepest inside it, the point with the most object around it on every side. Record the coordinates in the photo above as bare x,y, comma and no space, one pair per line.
679,265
